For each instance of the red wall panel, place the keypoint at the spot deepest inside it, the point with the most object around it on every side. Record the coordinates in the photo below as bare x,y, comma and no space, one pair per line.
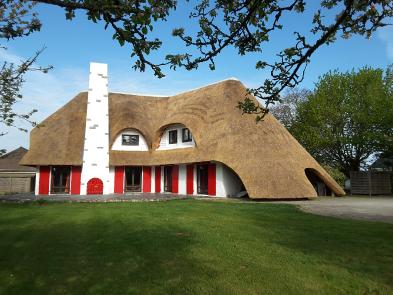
211,179
43,188
190,179
76,180
157,177
119,180
175,179
146,179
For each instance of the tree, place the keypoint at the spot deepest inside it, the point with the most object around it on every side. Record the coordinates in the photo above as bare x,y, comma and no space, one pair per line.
286,110
348,118
13,24
245,25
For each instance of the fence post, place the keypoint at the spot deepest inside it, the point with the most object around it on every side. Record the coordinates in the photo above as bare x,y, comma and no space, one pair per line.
369,183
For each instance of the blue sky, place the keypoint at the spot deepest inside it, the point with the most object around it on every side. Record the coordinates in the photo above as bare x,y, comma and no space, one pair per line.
71,45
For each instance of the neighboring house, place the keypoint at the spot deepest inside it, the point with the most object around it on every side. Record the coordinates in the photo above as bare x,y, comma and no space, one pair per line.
195,143
15,178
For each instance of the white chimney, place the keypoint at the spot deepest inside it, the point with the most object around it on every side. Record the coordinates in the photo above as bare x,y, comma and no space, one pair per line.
96,146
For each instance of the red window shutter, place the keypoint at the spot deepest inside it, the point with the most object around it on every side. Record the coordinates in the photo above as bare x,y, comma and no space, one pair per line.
76,180
43,188
190,179
119,180
175,179
211,179
158,179
146,179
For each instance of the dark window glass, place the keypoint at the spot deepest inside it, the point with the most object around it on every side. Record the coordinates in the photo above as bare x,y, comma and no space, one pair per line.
186,135
128,139
60,180
133,179
172,136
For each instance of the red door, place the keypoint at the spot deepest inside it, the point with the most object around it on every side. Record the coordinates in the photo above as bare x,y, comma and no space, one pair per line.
190,179
175,179
211,182
43,188
76,180
119,180
95,187
146,179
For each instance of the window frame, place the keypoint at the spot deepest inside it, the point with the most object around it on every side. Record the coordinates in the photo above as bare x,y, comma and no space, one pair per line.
183,133
123,142
62,173
169,136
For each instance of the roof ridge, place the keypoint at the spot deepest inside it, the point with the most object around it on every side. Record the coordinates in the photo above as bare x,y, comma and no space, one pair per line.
183,92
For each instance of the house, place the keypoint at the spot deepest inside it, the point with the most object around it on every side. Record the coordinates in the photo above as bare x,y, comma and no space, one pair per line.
195,143
15,178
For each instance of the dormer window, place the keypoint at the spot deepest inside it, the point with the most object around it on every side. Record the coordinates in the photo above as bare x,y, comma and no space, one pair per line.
130,139
176,136
173,137
186,135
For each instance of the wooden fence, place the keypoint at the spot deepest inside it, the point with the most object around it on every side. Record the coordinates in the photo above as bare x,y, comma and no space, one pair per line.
12,184
371,183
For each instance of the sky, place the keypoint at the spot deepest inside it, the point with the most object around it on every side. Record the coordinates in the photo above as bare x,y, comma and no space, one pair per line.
72,45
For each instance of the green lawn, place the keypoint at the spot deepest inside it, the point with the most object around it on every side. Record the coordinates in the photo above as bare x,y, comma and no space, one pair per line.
189,247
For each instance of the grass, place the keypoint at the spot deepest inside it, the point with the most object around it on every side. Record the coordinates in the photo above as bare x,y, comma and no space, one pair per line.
189,247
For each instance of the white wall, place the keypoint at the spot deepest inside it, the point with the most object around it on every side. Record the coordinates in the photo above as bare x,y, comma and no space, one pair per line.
96,145
220,187
228,184
153,179
195,188
111,182
37,181
182,179
118,146
164,141
162,179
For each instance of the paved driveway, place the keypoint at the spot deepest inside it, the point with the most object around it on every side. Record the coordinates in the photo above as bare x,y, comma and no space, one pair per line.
361,208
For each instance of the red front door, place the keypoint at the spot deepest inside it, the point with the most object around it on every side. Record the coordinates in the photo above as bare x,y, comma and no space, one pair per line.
95,187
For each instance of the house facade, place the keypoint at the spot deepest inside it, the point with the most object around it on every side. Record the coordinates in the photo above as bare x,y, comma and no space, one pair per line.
194,143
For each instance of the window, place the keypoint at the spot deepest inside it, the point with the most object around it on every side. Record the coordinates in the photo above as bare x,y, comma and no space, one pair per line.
172,136
60,180
186,135
130,139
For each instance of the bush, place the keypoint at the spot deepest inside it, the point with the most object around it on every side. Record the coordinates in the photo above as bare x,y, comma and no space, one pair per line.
337,175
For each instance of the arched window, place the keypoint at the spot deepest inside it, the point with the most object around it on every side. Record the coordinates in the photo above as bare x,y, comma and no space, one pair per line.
176,136
130,140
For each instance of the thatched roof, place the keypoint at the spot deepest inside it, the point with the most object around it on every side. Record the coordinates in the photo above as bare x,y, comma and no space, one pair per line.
270,162
10,161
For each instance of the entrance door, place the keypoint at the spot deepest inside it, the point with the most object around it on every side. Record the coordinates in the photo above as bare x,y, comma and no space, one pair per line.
168,179
60,180
202,178
133,179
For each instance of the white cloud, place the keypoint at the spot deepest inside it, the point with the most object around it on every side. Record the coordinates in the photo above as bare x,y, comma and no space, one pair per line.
386,35
44,92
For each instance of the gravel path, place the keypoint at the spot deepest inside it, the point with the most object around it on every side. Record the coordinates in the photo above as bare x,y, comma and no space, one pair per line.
360,208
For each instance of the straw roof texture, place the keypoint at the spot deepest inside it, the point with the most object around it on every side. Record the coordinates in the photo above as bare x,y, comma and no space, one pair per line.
269,161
